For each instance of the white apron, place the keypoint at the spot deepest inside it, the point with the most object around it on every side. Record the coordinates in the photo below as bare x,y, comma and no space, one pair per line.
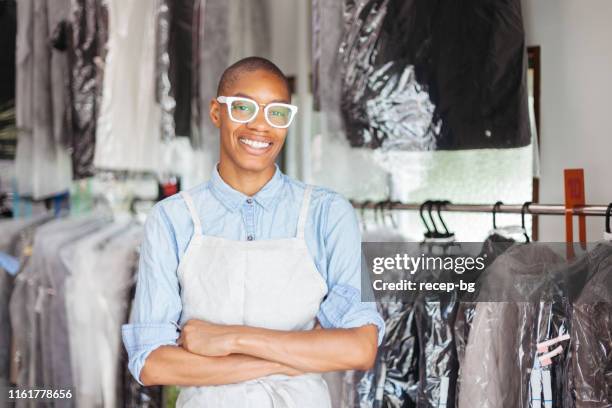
269,283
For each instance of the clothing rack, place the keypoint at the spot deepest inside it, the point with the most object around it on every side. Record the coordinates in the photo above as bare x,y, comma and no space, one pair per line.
533,209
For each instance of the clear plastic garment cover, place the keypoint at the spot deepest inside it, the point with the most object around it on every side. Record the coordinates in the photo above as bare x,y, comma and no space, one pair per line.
537,334
421,74
589,372
42,161
522,352
128,132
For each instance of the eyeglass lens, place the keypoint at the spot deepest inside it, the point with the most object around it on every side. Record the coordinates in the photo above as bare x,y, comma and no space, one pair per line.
277,115
243,110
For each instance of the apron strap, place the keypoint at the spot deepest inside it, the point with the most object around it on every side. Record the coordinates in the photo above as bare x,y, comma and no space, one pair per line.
197,225
304,212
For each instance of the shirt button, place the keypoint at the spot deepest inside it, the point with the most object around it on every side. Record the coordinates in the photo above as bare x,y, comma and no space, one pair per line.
249,201
250,237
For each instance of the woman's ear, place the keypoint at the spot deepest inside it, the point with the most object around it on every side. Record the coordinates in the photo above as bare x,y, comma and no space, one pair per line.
215,113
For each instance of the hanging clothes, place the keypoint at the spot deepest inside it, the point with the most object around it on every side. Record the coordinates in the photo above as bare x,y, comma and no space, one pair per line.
6,287
8,269
8,32
128,134
89,30
494,246
96,304
42,163
438,365
404,67
327,26
163,91
393,381
70,296
181,67
589,382
49,343
501,350
20,307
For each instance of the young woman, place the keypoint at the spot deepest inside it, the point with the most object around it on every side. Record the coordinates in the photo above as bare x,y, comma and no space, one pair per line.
249,285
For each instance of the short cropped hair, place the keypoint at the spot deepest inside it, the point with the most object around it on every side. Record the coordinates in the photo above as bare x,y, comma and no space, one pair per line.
249,64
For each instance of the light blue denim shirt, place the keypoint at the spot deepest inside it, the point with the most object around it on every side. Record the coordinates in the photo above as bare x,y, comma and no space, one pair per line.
332,235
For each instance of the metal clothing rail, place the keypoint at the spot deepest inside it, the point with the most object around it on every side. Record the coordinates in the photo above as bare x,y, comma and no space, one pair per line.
534,208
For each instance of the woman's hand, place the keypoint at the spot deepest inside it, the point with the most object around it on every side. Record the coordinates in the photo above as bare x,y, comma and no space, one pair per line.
207,339
216,340
316,350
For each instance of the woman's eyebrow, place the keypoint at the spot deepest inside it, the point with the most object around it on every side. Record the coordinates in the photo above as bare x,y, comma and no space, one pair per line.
243,95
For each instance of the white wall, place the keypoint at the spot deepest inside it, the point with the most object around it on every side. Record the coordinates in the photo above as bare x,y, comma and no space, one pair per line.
576,101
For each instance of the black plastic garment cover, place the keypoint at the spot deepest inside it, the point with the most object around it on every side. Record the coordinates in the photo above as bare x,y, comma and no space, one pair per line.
438,364
181,63
416,365
396,368
174,65
8,32
435,315
89,33
432,74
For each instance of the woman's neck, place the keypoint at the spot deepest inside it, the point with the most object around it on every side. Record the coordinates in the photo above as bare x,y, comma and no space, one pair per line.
246,181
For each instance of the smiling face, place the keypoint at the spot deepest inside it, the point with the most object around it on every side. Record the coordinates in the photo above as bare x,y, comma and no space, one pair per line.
253,146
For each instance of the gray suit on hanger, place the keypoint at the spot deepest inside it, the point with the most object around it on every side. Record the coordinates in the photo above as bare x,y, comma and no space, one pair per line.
501,345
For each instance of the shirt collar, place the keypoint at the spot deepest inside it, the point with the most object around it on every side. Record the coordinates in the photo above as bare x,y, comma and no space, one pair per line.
233,199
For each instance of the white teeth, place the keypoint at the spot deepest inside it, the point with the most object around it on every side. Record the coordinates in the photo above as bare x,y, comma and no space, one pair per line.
254,143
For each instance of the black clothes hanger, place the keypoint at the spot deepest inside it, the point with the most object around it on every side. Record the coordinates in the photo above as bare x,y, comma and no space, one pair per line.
523,209
495,209
608,213
436,233
446,233
429,233
383,207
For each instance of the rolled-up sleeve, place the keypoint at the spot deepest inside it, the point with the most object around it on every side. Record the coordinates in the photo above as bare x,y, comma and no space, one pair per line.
157,303
342,307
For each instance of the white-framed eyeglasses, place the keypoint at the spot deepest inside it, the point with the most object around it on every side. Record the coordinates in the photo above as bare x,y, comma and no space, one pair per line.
244,110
